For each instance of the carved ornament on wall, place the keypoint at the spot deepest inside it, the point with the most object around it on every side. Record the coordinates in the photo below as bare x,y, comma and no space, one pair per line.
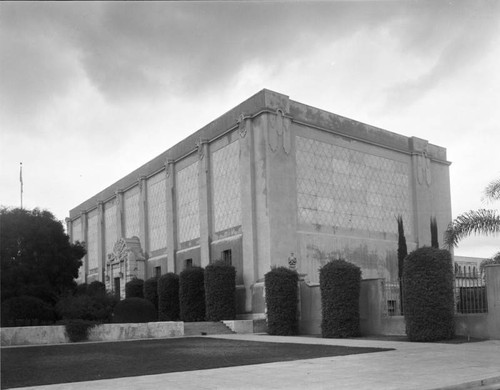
424,169
242,125
279,132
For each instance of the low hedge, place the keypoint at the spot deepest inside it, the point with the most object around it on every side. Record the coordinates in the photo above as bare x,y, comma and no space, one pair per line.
168,297
220,290
281,289
96,288
428,295
340,285
134,310
134,288
192,294
98,308
151,291
26,310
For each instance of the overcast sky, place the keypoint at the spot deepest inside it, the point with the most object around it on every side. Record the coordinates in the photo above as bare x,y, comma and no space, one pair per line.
90,91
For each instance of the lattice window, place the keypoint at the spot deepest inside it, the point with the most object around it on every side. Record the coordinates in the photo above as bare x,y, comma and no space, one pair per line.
92,244
188,203
157,211
345,188
131,206
226,187
110,228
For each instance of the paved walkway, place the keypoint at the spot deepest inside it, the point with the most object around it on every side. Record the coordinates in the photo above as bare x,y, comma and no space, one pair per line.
419,366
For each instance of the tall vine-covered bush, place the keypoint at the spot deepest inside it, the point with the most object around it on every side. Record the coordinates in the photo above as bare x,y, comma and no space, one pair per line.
192,294
151,291
281,300
428,295
220,290
340,284
134,288
168,297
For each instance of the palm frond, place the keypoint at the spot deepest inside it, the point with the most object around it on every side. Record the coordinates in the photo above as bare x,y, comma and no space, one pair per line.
475,221
492,190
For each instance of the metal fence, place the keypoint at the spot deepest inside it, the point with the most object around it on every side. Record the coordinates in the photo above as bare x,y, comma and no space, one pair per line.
469,290
470,294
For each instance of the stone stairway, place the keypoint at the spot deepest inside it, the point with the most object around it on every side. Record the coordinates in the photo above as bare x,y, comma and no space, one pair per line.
205,328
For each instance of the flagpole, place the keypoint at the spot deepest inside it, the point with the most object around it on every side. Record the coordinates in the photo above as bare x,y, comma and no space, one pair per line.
21,180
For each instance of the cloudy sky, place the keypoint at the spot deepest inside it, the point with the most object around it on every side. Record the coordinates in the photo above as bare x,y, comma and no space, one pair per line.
90,91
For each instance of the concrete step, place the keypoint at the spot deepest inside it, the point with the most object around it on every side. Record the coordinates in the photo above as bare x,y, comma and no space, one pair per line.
205,328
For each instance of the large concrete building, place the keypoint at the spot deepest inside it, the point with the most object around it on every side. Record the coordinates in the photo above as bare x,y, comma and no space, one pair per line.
270,181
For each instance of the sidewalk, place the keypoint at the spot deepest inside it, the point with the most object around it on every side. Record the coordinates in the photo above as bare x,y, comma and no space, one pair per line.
419,366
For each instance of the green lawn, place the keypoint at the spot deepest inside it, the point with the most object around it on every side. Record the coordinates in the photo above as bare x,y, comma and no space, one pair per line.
42,365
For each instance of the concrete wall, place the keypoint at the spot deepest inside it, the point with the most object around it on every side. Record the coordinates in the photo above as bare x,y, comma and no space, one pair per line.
373,317
31,335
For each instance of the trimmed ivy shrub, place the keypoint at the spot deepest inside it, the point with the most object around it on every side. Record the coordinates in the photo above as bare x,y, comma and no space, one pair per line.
97,308
428,295
168,297
26,310
340,285
96,288
220,290
134,288
78,330
281,288
192,294
151,291
81,289
134,310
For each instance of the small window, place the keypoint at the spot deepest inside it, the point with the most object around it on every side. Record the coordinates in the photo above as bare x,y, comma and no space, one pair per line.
227,257
188,263
157,272
391,307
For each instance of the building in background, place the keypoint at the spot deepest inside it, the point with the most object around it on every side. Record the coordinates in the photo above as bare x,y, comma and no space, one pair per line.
270,180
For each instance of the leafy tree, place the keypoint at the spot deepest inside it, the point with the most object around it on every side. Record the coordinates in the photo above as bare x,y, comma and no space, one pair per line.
475,221
36,256
494,260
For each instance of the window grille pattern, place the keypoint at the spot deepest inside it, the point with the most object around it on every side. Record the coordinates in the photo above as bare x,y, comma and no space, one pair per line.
110,228
92,244
188,203
157,211
131,212
226,187
77,230
345,188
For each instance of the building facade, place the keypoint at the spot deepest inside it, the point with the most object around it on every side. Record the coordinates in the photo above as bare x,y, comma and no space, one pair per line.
270,182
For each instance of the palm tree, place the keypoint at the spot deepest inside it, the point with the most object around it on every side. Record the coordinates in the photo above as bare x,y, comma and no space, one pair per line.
481,221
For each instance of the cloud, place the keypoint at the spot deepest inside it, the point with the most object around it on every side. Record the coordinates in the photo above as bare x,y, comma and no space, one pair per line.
456,37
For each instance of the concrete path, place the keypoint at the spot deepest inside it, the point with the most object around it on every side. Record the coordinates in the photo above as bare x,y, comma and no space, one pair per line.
419,366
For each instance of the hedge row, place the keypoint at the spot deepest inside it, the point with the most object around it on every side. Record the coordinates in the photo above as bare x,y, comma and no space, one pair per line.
428,295
281,300
340,284
220,290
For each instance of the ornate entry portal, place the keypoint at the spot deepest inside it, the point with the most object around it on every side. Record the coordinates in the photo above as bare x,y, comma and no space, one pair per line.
127,262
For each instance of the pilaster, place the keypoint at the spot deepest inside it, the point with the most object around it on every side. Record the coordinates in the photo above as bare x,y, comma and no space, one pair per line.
143,218
248,221
205,201
85,225
171,216
101,251
421,183
120,229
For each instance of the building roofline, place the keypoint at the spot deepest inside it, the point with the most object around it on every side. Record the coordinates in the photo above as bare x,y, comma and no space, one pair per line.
264,101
